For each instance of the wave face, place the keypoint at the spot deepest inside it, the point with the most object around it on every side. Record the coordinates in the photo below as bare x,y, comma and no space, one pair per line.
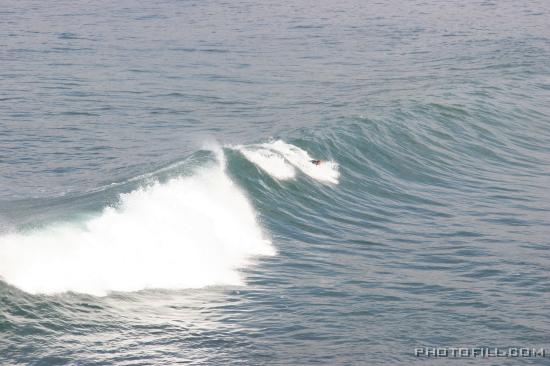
189,232
280,160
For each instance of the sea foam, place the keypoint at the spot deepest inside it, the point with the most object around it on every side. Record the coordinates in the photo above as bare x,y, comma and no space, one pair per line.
280,160
189,232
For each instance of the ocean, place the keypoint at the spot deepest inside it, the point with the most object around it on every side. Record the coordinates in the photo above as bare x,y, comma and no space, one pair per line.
158,204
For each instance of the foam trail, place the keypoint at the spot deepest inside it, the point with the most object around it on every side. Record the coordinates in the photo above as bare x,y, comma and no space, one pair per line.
187,233
279,158
271,162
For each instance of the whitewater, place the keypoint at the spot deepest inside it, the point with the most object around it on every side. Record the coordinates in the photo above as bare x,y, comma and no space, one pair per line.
189,232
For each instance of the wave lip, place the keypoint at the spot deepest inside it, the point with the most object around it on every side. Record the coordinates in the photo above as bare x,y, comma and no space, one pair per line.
189,232
280,160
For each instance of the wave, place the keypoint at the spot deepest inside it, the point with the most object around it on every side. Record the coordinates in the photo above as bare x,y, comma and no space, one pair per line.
280,160
188,232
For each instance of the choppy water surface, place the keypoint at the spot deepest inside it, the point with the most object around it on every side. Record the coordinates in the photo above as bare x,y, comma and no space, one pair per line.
158,204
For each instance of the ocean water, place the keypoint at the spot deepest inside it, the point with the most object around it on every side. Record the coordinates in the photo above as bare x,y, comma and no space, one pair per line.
158,205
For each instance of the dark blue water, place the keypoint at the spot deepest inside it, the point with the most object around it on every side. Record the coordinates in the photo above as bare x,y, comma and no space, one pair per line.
158,206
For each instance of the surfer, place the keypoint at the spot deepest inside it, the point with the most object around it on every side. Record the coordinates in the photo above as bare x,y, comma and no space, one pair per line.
316,162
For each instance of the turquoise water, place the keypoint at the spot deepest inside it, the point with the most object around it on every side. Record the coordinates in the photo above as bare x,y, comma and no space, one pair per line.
158,207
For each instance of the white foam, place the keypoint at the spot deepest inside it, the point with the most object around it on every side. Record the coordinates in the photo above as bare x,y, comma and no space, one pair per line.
279,158
187,233
272,163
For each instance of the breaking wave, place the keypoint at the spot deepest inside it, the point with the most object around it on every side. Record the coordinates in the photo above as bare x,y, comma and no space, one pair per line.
188,232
